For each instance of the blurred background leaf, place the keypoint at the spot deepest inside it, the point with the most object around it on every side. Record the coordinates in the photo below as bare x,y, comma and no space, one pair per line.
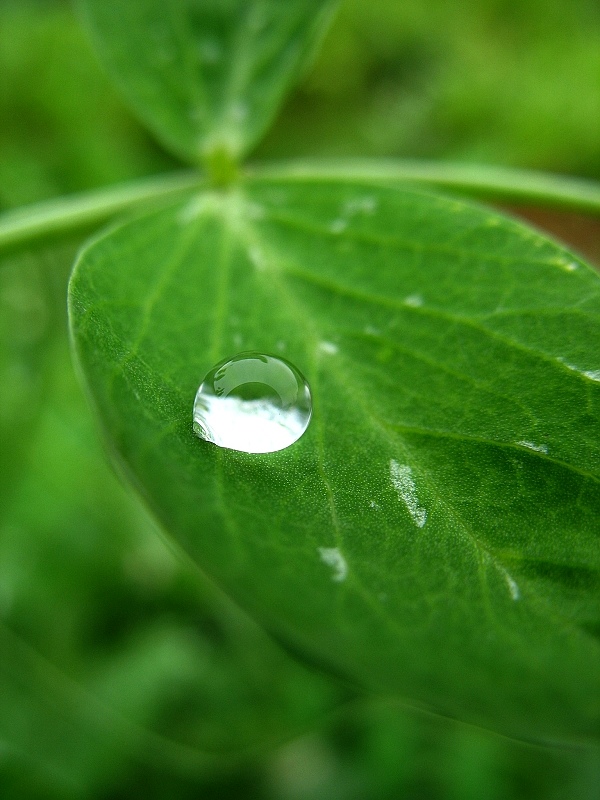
93,606
498,81
207,77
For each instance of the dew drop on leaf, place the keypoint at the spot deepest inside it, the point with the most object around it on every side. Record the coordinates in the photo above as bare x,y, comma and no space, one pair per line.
254,403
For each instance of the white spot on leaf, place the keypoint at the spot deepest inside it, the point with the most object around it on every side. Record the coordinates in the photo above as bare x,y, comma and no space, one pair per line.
334,559
512,585
403,483
593,375
329,348
561,360
360,205
566,264
539,448
413,300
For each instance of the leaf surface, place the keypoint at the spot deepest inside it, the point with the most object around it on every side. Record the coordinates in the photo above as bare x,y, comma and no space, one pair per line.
435,533
206,75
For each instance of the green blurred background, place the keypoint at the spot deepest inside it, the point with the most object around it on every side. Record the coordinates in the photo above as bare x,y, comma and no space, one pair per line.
122,671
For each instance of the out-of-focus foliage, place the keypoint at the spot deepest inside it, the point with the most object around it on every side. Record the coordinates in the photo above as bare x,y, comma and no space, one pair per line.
498,81
106,638
62,127
206,78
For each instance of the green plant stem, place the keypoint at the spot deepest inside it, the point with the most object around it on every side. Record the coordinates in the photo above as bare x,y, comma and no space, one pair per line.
82,211
22,226
489,183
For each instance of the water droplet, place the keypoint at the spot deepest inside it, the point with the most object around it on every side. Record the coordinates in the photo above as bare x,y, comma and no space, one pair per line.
254,403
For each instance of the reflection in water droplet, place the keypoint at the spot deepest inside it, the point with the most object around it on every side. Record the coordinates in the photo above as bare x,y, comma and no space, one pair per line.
254,403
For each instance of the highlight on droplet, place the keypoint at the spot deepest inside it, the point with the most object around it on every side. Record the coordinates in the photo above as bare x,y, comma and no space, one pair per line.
253,403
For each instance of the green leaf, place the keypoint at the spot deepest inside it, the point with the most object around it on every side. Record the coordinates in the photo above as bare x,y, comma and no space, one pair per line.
207,76
452,466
